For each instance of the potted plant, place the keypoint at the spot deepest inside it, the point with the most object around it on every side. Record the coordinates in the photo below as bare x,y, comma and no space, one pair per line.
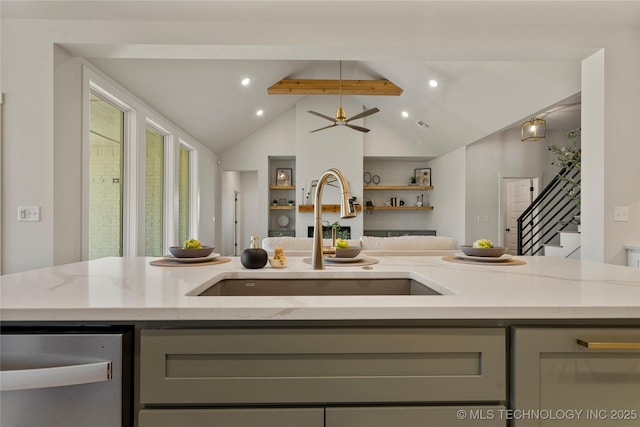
274,202
412,180
569,159
291,202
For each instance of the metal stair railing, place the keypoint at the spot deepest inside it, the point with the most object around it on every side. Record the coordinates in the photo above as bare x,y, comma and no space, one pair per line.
552,211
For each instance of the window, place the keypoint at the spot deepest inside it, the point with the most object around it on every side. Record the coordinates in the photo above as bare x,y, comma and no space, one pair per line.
184,191
139,192
106,159
154,192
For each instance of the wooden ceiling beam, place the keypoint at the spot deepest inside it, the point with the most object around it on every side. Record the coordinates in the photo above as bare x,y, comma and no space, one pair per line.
332,87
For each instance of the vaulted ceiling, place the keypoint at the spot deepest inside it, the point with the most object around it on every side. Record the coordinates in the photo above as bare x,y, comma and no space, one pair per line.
198,88
472,100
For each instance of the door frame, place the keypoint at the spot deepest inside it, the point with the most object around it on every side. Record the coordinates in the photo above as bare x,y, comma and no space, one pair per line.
502,200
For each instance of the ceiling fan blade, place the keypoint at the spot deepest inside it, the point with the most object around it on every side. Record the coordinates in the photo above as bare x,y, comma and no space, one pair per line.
322,128
331,119
364,114
359,128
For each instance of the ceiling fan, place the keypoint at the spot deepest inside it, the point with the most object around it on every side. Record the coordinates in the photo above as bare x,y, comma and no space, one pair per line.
341,117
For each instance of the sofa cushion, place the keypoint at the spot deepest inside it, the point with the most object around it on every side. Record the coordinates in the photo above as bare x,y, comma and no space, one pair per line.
297,243
408,243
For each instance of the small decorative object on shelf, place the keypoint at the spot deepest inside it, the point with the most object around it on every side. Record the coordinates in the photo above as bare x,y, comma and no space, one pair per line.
423,176
283,176
274,202
291,202
254,257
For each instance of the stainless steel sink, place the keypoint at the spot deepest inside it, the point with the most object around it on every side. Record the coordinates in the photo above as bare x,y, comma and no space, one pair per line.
293,287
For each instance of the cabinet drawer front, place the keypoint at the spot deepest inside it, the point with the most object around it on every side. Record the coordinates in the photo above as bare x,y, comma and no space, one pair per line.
555,374
417,416
322,365
241,417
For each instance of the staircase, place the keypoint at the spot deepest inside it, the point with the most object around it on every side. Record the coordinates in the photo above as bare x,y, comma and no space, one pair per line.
568,247
547,226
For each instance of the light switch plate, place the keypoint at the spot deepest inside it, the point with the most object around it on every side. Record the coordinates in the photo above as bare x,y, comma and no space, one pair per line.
621,213
29,213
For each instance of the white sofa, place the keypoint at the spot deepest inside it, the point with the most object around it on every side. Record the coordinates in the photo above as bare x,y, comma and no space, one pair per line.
296,246
408,245
381,246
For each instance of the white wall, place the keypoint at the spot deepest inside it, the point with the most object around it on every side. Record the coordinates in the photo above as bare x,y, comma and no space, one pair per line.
275,138
67,161
449,194
488,161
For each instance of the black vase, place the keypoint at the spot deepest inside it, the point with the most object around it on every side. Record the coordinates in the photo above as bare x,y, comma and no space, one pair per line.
254,258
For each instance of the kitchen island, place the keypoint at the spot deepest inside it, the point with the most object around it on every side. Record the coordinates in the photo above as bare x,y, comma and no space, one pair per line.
496,345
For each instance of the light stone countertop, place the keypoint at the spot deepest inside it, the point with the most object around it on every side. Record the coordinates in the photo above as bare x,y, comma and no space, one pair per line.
130,289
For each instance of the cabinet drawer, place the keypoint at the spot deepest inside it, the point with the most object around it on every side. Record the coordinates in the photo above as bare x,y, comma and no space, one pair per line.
240,417
309,365
555,374
417,416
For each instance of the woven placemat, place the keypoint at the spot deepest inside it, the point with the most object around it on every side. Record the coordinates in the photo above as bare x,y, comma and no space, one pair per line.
512,261
166,262
360,263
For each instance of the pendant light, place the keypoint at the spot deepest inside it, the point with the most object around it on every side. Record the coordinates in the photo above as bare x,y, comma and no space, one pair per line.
533,130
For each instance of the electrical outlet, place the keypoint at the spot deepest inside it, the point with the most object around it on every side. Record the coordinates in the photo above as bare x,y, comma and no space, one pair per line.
29,213
621,213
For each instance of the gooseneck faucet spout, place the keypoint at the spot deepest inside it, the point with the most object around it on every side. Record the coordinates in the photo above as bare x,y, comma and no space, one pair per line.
347,210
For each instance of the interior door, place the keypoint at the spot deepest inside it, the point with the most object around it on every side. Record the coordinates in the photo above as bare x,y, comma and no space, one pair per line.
519,195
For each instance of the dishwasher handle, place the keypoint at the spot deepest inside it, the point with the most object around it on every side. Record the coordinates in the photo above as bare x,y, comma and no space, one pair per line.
25,379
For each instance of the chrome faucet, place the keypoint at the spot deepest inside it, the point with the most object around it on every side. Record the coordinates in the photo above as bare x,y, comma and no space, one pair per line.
347,210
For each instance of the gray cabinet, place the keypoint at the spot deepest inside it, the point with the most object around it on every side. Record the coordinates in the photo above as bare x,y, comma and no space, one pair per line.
308,376
308,365
576,377
415,416
232,417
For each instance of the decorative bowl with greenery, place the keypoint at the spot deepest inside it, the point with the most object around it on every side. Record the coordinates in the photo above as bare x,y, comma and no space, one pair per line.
569,159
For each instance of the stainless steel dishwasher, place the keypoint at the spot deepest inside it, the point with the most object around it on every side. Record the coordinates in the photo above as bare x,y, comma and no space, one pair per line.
65,378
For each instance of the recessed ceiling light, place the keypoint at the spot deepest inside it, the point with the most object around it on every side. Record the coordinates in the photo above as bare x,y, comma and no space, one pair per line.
433,83
245,81
405,114
259,113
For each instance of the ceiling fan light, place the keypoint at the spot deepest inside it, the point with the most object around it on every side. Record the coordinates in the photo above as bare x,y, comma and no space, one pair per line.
534,129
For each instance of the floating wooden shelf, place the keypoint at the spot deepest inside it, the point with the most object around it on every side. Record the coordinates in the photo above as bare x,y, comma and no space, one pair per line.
401,208
325,208
282,187
398,187
281,208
